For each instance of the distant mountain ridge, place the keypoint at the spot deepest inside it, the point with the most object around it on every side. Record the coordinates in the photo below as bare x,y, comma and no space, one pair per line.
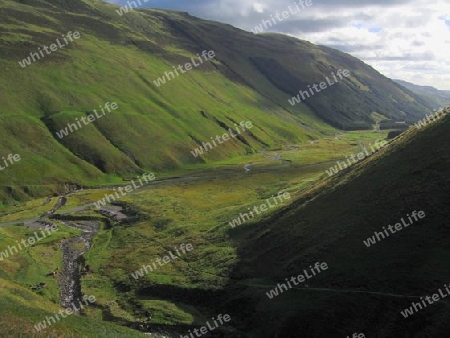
434,97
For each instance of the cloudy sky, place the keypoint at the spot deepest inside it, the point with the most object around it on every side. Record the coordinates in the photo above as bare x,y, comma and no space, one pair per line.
405,39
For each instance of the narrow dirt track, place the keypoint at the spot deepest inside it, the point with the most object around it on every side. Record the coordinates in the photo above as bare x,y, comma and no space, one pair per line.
376,293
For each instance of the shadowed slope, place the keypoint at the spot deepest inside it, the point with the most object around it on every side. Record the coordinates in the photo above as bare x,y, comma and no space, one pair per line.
411,174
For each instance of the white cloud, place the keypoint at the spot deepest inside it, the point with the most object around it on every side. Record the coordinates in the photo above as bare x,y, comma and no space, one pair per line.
402,41
413,41
258,8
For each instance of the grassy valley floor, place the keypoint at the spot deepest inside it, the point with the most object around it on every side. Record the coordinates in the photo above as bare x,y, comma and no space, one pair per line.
195,207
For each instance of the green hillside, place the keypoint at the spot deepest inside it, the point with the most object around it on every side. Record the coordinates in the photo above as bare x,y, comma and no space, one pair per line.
117,58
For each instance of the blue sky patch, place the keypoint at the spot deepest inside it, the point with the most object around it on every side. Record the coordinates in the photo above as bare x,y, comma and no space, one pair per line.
375,29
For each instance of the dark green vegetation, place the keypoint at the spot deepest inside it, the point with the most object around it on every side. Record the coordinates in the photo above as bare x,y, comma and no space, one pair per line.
115,60
411,174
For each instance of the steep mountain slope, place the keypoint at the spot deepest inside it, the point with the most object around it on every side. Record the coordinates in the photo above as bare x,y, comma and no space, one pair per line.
435,98
364,288
116,59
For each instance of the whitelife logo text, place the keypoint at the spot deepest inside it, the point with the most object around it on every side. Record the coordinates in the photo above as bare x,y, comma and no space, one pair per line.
296,280
31,241
355,158
378,236
130,6
184,248
208,328
71,127
49,320
432,118
11,159
109,198
207,56
323,85
53,48
417,306
263,207
219,138
281,16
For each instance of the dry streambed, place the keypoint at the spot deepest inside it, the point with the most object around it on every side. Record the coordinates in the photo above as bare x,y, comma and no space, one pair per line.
72,249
